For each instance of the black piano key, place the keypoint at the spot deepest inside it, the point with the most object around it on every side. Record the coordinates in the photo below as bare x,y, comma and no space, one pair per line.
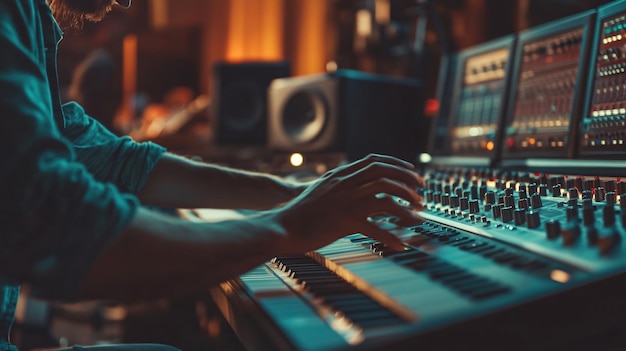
489,291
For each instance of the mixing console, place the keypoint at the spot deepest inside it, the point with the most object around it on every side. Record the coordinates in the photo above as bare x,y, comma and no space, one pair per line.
604,124
546,101
480,97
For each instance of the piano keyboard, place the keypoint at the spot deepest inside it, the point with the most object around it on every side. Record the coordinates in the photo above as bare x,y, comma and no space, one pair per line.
358,294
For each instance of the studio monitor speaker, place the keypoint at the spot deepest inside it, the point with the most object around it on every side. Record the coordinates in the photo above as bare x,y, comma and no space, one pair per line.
239,103
346,111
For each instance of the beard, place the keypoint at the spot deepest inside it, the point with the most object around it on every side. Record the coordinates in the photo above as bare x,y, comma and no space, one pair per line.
73,13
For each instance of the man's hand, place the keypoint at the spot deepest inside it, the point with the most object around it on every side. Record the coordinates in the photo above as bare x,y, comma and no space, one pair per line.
341,202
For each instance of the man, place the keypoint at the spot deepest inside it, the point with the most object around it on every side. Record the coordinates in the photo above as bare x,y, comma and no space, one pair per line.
72,224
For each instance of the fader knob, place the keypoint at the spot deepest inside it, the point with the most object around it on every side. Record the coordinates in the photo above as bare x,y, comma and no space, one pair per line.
571,213
454,201
522,194
570,233
533,219
572,193
556,190
522,204
608,215
474,192
543,190
609,185
599,194
473,206
608,239
588,216
437,197
507,214
610,197
535,201
519,216
464,203
490,198
429,195
496,211
482,190
509,201
553,229
445,199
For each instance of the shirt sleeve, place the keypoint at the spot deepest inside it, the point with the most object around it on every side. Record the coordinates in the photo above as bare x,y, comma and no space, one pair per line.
56,218
109,158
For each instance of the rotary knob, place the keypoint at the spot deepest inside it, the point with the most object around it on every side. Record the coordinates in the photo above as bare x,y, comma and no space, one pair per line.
570,233
599,194
553,229
543,190
533,219
519,216
473,206
608,215
496,211
507,214
490,198
535,201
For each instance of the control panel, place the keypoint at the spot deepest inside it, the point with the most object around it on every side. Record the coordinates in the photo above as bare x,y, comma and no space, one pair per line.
572,219
480,98
545,100
603,128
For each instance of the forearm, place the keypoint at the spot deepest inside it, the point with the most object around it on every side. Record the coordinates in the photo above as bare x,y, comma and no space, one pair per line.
177,182
160,257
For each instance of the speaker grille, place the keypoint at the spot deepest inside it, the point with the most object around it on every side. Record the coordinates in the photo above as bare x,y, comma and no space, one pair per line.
304,116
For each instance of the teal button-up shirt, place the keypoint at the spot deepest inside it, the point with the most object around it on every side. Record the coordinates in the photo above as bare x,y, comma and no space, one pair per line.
66,183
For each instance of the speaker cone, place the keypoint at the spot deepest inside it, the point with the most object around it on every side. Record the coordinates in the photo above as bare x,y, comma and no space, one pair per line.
242,105
304,116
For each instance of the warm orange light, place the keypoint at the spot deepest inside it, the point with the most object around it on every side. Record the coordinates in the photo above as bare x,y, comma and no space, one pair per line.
532,141
559,276
312,31
490,145
255,30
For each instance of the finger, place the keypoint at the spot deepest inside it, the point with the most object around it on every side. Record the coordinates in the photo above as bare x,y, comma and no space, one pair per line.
373,231
385,205
389,187
366,161
379,170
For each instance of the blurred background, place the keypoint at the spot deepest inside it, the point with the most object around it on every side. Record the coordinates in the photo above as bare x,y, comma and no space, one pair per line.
172,71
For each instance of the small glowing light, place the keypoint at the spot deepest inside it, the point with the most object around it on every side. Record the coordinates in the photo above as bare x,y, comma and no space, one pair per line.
475,131
296,159
490,145
532,141
425,158
559,276
331,66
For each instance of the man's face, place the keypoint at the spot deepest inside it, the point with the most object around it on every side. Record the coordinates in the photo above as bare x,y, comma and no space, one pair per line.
72,13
